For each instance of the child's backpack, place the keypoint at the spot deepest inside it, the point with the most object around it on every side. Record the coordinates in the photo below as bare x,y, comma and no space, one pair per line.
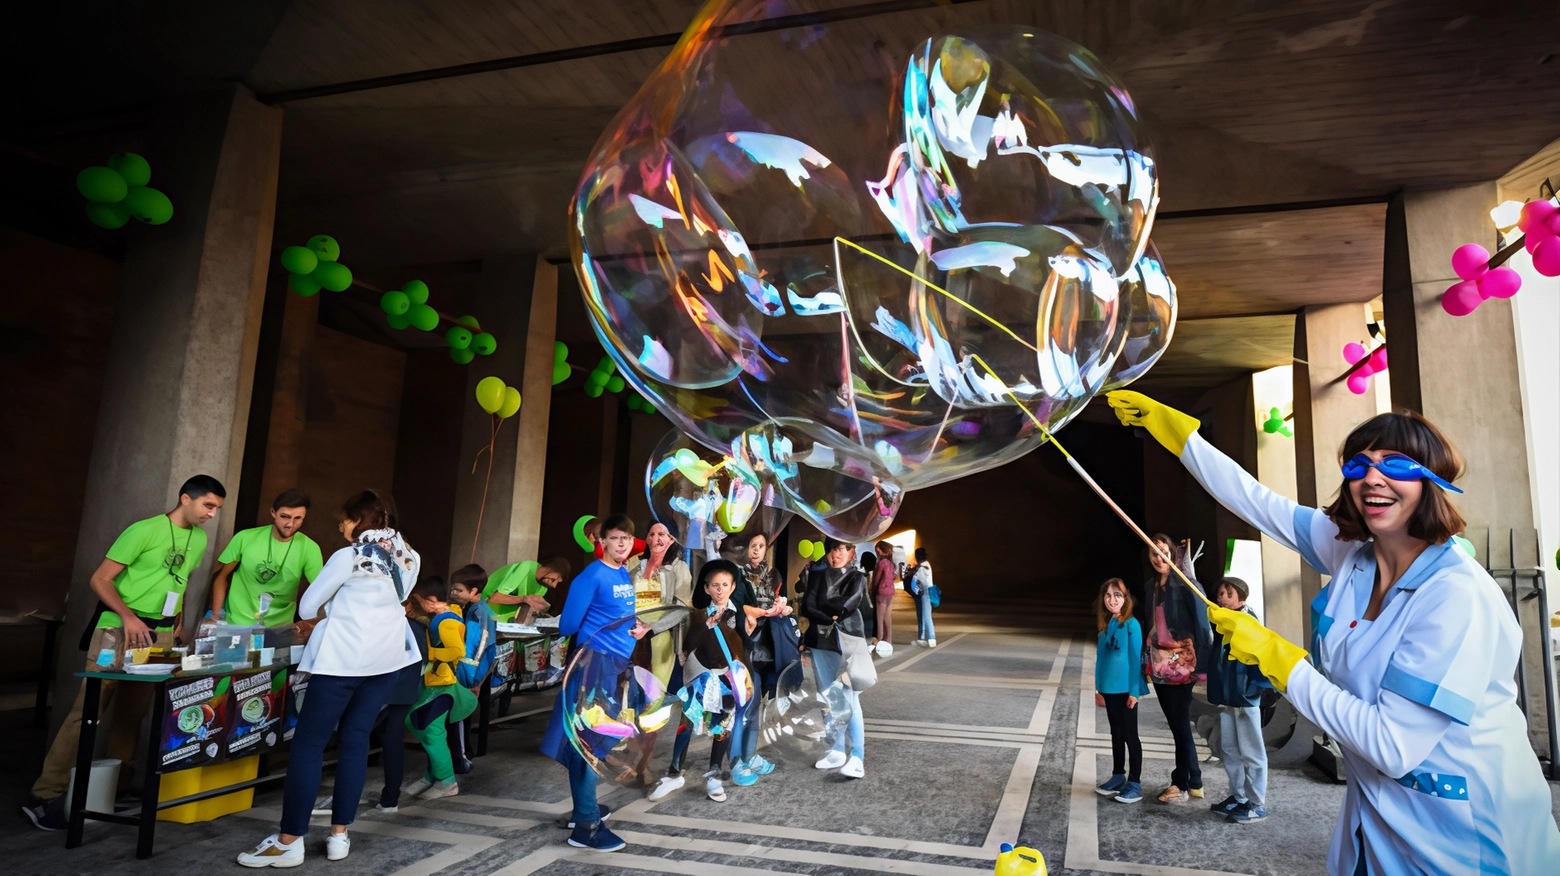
438,653
481,647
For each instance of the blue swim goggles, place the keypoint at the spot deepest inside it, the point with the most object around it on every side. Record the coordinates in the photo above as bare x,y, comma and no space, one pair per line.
1397,467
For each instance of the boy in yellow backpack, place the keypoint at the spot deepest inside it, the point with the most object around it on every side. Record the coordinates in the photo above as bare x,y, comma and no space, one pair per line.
442,697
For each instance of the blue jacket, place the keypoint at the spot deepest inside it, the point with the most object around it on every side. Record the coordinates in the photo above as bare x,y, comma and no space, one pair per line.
481,645
1231,683
1118,664
598,601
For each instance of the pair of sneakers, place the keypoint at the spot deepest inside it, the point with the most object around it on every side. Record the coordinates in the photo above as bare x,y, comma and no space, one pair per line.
596,836
272,852
746,772
925,643
1120,789
1239,812
850,767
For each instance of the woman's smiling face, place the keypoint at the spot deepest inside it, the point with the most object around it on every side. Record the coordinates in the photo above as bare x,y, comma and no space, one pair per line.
1387,505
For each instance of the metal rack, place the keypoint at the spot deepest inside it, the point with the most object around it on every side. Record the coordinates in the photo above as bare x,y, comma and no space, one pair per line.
1522,579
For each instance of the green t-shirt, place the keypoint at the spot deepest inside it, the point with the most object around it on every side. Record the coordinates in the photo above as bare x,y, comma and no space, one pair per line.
516,579
159,559
268,567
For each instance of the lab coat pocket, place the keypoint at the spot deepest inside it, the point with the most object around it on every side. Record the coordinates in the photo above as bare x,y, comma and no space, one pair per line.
1434,821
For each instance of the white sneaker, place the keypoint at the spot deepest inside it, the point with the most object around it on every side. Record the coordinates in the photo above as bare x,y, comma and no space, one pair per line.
387,810
416,787
337,845
853,768
665,786
831,761
271,853
715,790
931,643
441,789
919,643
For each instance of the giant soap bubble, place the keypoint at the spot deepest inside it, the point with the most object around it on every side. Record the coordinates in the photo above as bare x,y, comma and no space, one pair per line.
867,261
710,501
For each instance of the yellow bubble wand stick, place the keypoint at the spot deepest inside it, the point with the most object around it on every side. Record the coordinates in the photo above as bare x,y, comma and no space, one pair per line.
1045,433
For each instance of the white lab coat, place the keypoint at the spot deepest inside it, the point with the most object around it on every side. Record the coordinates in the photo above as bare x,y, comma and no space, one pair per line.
1422,700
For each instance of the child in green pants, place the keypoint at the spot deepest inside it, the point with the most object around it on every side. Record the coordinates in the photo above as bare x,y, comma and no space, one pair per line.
442,697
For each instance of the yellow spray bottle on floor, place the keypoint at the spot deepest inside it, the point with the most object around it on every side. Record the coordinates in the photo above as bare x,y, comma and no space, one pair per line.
1020,862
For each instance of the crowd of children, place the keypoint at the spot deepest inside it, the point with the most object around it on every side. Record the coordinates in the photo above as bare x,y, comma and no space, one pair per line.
1234,689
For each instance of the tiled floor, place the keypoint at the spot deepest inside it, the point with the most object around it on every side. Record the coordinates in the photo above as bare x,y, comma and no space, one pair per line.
991,738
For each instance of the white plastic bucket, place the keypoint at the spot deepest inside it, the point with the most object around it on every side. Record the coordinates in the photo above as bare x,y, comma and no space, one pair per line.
102,785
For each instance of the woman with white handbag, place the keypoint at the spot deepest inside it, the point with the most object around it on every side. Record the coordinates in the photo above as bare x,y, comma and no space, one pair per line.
836,640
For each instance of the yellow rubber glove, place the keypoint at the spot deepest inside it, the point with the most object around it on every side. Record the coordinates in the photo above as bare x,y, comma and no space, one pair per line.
1169,426
1254,644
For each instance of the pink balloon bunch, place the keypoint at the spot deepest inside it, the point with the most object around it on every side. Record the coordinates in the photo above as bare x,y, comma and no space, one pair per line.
1540,224
1359,381
1479,281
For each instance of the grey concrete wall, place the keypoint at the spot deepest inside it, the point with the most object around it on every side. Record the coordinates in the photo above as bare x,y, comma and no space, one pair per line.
176,394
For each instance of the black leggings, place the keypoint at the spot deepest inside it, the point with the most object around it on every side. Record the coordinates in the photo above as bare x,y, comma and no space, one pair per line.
1176,700
1124,739
392,753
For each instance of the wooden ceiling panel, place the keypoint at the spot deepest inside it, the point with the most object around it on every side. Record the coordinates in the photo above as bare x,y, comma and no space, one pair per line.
1207,352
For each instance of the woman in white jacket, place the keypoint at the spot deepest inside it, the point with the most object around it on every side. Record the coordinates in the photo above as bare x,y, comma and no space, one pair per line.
1414,646
353,657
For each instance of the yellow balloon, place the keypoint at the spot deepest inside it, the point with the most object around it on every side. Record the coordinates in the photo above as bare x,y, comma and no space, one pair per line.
490,394
511,403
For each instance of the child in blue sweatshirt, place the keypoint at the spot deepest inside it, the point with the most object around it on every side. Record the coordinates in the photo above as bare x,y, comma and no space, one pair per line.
1236,689
1118,682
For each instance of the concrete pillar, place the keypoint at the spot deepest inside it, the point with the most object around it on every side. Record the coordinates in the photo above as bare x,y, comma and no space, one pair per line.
1460,372
535,415
1325,410
180,366
1281,581
289,403
504,305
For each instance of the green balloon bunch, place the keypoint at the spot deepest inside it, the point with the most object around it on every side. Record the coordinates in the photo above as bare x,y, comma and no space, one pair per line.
637,402
561,367
601,379
497,398
1275,425
314,266
408,307
810,550
119,192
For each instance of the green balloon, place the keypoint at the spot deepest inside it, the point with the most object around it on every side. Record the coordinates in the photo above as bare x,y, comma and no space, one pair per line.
398,320
334,276
424,318
102,185
596,378
416,290
606,365
133,168
580,538
303,284
395,302
484,344
325,247
561,371
462,357
490,394
615,383
459,338
470,322
149,205
300,259
593,390
108,215
560,351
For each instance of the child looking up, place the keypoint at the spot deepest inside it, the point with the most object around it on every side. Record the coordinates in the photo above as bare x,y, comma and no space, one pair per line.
442,697
1236,690
1118,682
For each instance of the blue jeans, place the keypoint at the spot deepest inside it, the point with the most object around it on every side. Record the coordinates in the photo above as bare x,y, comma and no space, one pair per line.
748,719
582,787
829,665
349,704
923,614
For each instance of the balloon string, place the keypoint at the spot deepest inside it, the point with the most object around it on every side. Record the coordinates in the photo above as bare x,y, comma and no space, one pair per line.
498,423
952,297
1046,436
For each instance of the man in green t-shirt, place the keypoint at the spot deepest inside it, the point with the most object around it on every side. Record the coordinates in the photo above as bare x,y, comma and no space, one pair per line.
523,584
264,570
139,586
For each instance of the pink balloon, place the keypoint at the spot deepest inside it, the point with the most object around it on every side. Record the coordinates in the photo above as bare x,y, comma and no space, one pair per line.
1546,257
1502,282
1530,242
1353,352
1470,261
1462,298
1359,383
1535,212
1378,360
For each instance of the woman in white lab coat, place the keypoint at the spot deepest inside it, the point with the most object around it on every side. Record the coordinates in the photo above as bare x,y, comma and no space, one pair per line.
1414,651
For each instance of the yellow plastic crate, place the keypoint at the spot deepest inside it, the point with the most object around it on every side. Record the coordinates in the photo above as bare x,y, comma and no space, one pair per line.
192,781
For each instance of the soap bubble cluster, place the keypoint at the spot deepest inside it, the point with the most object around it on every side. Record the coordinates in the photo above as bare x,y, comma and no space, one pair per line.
867,267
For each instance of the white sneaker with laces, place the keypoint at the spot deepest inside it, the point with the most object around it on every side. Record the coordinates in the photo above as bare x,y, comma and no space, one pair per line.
853,768
271,853
337,845
665,786
831,761
417,787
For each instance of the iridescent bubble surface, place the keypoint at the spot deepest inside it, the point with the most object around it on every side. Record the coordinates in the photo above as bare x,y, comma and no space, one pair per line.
806,716
864,261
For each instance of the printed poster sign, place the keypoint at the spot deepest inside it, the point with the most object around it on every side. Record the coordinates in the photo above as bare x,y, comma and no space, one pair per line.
258,709
197,714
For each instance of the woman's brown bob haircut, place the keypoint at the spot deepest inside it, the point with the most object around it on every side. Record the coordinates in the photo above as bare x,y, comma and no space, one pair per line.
1101,613
370,510
1435,520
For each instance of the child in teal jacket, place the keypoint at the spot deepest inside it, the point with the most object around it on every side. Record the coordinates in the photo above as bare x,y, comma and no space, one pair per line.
1118,682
